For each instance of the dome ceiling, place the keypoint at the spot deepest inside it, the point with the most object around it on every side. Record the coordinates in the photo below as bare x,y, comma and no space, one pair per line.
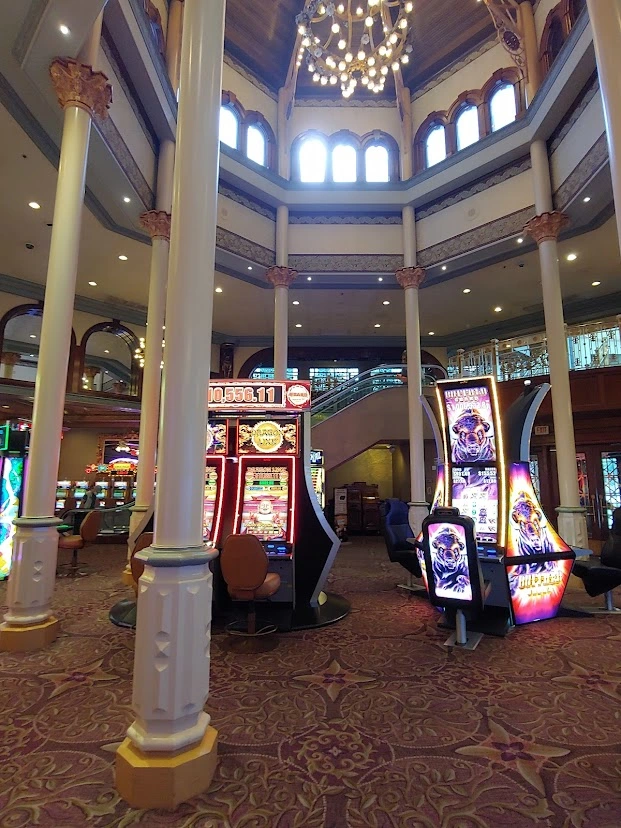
263,40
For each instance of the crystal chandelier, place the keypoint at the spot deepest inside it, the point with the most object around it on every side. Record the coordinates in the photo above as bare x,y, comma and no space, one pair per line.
354,42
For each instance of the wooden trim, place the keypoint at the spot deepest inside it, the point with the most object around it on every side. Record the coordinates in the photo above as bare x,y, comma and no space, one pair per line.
345,136
565,15
117,329
250,117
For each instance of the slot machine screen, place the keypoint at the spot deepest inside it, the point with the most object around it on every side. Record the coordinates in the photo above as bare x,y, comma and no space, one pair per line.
80,490
470,424
12,483
211,494
119,490
449,561
475,494
265,509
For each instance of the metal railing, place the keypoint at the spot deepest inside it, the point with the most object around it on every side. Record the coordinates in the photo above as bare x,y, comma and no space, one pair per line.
365,384
589,345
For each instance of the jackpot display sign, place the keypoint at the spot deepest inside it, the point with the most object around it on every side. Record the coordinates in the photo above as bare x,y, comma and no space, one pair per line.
474,491
267,436
10,493
265,508
470,424
449,561
260,395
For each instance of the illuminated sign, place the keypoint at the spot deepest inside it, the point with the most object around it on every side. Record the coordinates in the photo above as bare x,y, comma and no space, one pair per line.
449,561
529,532
261,395
267,436
475,493
537,589
470,424
217,437
4,436
11,490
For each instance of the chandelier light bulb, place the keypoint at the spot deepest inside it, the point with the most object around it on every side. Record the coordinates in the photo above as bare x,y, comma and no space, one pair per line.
373,2
336,28
324,80
395,66
306,41
344,77
364,80
403,23
359,11
371,61
342,66
322,10
316,77
333,79
340,8
361,55
382,50
372,72
342,43
393,38
349,57
405,59
369,21
409,7
384,69
301,30
311,67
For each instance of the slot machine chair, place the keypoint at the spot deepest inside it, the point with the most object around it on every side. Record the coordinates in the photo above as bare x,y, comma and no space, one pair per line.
89,530
123,613
442,574
244,564
396,531
601,577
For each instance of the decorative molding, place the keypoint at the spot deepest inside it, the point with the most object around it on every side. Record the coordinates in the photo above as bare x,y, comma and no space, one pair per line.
248,201
242,70
410,277
121,152
279,276
505,15
156,223
493,231
159,63
546,226
77,84
479,186
232,243
345,218
574,112
347,263
449,71
593,161
340,103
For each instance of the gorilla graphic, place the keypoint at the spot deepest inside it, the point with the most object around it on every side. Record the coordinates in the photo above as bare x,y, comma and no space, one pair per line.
450,566
533,536
473,444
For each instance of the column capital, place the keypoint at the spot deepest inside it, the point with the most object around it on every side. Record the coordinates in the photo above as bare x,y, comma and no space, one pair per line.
279,276
77,84
9,358
547,226
410,277
91,371
156,223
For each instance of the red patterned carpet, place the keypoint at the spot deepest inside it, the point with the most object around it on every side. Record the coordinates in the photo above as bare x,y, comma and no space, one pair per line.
370,723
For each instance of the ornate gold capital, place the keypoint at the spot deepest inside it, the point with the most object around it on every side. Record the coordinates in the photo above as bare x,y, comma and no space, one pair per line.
280,276
9,358
76,84
410,277
157,224
547,226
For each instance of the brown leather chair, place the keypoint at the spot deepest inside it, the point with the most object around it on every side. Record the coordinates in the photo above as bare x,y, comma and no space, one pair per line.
89,530
243,564
137,566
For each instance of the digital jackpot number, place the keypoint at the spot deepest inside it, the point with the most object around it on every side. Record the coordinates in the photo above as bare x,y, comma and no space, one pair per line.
240,395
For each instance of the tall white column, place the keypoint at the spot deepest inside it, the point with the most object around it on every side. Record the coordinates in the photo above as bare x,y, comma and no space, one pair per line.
410,278
605,16
170,751
281,277
544,229
526,18
29,623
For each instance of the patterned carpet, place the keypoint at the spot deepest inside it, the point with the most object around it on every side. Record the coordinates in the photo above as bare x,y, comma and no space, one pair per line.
370,723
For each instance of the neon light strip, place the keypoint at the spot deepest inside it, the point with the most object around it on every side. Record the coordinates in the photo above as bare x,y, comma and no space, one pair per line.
215,532
448,498
502,476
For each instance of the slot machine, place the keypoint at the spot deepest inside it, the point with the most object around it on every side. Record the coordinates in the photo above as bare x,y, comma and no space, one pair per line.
63,488
215,471
485,475
119,492
13,467
80,490
318,475
103,494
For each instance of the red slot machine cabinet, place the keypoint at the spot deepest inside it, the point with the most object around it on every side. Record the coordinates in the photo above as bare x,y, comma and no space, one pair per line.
215,477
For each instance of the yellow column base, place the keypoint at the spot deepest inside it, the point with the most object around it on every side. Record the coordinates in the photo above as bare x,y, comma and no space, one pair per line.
127,578
16,639
165,780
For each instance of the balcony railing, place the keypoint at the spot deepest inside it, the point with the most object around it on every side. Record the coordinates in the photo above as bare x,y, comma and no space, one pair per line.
589,345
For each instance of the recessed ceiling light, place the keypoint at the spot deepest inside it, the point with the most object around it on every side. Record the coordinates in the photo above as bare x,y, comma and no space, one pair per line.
35,205
93,284
497,309
298,325
249,267
123,258
5,406
380,278
595,284
586,199
377,325
33,336
309,278
385,302
520,240
64,29
571,257
432,333
106,351
126,199
295,302
218,290
443,267
466,290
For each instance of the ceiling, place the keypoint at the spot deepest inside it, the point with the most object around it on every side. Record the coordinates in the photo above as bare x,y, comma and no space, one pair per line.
263,39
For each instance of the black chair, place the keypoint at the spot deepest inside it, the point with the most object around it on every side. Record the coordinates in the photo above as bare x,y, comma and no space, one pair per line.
396,530
601,577
454,575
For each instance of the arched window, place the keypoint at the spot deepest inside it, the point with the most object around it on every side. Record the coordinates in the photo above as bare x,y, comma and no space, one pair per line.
556,38
344,163
575,7
313,159
435,146
229,127
467,127
502,106
376,163
256,145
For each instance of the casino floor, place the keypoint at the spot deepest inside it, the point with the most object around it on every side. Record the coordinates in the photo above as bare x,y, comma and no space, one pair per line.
369,722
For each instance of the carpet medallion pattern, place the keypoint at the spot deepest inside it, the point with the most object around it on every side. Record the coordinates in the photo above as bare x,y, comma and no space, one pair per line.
370,723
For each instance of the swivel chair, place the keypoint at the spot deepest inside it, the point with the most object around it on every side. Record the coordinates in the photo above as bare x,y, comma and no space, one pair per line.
600,578
243,564
123,613
454,573
89,530
396,530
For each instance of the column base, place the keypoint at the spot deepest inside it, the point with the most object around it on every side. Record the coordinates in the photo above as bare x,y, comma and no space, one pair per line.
165,780
127,579
16,639
572,525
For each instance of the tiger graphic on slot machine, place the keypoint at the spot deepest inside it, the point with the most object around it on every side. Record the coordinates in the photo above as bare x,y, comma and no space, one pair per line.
473,443
450,566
